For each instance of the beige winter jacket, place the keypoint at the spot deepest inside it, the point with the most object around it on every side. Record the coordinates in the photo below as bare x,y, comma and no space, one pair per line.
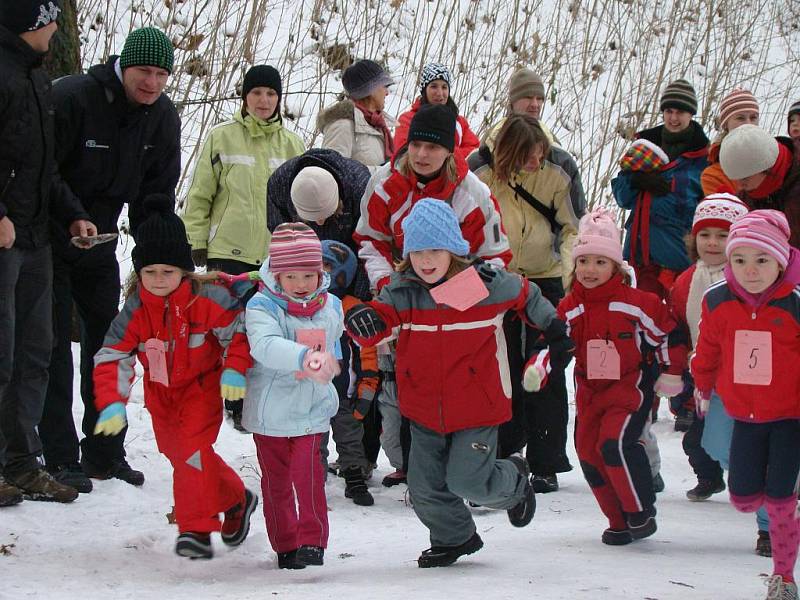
345,130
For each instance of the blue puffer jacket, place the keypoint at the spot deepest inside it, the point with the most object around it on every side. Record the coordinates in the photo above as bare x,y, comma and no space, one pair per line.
278,404
670,217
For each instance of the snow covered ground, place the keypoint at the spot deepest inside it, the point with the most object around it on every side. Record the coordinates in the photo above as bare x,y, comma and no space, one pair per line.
116,543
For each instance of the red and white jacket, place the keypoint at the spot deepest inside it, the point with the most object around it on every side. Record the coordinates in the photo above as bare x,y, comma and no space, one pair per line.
390,196
203,333
638,323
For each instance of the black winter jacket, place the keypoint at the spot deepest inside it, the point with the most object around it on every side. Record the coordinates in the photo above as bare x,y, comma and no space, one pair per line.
26,151
351,177
111,152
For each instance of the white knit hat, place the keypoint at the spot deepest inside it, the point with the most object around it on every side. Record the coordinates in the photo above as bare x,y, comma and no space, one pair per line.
717,210
315,194
747,150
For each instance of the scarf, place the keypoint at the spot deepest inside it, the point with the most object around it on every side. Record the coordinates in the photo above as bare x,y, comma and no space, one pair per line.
676,143
775,176
376,120
703,277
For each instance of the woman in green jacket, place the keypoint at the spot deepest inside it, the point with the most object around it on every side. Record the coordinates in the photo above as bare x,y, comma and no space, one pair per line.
226,209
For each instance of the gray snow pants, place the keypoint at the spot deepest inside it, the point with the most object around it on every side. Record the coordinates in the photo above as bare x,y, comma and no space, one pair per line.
443,470
348,433
390,413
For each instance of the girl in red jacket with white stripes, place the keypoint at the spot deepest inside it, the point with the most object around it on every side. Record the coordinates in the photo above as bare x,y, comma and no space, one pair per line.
617,330
750,324
190,340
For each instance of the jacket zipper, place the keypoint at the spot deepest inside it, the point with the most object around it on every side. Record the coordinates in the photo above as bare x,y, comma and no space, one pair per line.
11,177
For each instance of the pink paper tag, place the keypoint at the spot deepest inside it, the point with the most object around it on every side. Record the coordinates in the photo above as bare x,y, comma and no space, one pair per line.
311,338
602,360
156,352
461,291
752,357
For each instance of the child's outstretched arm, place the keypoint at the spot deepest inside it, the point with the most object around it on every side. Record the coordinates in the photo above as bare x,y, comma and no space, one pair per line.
268,345
373,322
537,310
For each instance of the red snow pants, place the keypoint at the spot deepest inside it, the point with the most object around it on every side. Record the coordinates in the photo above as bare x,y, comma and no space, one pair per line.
293,491
609,421
186,422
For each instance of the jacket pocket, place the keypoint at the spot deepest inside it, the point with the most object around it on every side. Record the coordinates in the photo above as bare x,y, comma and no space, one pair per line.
8,180
479,383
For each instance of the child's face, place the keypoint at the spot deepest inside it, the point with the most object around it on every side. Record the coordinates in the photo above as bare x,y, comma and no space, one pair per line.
711,242
299,284
754,269
794,127
593,270
160,280
430,265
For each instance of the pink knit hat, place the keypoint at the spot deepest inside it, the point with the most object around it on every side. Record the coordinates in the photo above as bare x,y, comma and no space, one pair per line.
598,234
767,230
294,247
717,210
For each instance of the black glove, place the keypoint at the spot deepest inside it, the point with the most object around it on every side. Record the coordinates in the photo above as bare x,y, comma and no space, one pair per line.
361,408
486,271
561,347
655,183
200,257
363,321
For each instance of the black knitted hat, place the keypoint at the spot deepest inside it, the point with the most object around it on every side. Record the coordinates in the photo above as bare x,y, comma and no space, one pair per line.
19,16
161,238
262,76
434,123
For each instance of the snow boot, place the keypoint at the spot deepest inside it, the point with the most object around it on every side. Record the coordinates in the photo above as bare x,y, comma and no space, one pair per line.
617,537
778,589
236,525
9,494
355,487
40,485
310,555
522,514
544,484
393,479
288,560
194,545
441,556
71,475
119,469
658,483
764,544
642,524
705,488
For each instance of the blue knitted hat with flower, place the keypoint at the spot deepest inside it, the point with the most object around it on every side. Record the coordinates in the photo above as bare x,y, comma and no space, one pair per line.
432,225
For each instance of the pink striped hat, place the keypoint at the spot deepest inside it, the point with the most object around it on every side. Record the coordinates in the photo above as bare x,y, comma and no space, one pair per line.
767,230
294,247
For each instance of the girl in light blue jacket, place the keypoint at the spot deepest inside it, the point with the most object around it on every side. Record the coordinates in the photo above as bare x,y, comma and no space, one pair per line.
293,326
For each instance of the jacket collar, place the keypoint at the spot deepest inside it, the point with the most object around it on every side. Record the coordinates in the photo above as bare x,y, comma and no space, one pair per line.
25,55
698,146
258,127
610,289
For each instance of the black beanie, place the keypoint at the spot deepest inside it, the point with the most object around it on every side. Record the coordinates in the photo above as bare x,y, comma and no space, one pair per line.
262,76
161,238
19,16
434,123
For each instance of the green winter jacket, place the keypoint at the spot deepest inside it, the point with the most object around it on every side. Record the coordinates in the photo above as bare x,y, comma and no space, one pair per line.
226,209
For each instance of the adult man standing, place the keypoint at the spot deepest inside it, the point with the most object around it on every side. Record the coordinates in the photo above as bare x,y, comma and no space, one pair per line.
118,140
26,272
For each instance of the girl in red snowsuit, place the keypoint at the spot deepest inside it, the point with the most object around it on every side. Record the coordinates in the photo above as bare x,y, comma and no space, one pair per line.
616,329
190,340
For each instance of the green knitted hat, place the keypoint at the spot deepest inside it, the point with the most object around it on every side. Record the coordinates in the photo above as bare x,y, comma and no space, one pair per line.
147,46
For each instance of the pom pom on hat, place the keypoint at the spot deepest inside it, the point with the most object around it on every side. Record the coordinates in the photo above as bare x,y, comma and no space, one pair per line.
718,210
598,234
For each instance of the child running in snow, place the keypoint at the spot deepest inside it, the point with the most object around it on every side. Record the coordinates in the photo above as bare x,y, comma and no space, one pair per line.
294,326
190,340
453,378
750,324
616,329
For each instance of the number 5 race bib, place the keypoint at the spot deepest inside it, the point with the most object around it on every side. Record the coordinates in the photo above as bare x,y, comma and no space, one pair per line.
752,357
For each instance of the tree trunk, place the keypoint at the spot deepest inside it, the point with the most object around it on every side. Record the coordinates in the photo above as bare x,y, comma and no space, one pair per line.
64,57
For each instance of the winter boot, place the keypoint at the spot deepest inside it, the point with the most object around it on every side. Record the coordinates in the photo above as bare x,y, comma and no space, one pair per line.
441,556
778,589
9,494
236,525
393,479
544,484
71,475
119,469
355,487
617,537
705,488
40,485
658,483
764,544
310,555
642,524
522,514
683,421
234,409
288,560
194,545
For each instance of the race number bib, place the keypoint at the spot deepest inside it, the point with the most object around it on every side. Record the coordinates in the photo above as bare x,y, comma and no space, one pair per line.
602,360
156,353
752,357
